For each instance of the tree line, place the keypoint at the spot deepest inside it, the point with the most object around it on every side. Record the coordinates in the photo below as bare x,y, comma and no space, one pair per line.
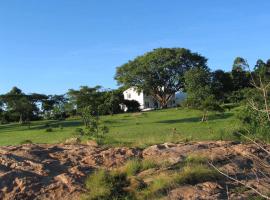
16,106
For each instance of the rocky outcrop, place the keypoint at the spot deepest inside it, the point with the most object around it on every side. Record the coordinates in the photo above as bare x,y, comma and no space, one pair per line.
58,171
53,171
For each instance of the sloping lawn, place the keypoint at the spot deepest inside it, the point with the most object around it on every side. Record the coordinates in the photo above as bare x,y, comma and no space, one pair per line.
131,129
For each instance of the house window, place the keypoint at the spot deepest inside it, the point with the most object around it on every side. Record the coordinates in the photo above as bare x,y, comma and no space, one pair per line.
128,96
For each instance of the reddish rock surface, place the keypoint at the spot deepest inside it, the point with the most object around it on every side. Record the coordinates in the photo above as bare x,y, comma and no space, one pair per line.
53,171
58,171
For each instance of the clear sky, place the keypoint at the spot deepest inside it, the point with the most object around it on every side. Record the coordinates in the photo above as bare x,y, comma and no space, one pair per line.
50,46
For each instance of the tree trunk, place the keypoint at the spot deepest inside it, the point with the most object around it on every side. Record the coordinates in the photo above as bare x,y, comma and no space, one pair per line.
21,119
204,117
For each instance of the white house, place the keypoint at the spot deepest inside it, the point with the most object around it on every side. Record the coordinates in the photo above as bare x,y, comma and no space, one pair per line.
148,102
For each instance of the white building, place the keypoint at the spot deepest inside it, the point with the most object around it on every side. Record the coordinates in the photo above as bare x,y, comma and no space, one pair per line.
148,102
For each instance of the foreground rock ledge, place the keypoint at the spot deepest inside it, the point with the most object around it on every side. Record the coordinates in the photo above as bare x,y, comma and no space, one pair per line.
58,171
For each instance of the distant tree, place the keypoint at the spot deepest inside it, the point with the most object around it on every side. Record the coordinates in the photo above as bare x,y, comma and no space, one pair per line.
18,104
47,106
59,106
199,93
160,72
85,97
240,75
111,102
1,111
221,84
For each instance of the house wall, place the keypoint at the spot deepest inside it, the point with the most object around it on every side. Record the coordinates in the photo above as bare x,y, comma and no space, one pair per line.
148,102
132,94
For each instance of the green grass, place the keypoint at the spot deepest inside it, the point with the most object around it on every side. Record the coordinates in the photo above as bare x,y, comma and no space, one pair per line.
104,185
134,166
131,129
120,183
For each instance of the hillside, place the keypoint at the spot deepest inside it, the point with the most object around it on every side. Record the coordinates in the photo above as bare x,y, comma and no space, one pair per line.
131,129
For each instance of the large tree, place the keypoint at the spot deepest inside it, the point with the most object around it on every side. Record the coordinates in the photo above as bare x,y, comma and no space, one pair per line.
18,104
160,73
85,97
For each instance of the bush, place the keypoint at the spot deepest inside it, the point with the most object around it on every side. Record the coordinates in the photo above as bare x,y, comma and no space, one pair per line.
255,123
132,167
79,131
193,174
106,185
195,159
132,105
26,142
49,130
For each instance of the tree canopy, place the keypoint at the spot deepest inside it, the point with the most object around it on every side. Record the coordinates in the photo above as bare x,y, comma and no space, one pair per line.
160,72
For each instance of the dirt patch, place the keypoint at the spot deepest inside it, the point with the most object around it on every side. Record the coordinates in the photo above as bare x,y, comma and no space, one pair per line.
58,171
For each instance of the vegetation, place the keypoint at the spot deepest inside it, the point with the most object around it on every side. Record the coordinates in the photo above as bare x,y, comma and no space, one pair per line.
101,183
160,72
131,129
104,185
200,94
133,167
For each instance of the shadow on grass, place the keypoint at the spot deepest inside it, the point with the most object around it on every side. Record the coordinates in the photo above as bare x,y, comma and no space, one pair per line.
197,119
39,126
56,124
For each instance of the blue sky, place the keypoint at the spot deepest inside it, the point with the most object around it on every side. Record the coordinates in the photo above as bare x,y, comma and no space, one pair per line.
54,45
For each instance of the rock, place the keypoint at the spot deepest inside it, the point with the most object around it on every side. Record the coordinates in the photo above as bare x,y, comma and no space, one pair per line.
73,141
92,143
59,171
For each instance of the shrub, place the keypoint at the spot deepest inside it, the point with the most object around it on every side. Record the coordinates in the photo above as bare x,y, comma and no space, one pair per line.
132,167
49,130
195,159
79,131
158,187
26,142
193,174
106,185
132,105
148,164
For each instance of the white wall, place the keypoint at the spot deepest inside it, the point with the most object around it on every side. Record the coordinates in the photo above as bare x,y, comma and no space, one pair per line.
132,94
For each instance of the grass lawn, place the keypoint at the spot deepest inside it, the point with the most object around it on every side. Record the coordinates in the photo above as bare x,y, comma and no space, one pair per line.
132,129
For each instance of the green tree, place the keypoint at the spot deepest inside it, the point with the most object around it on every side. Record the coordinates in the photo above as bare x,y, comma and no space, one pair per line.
256,115
160,72
84,97
221,84
199,93
58,111
111,102
1,111
17,104
240,75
